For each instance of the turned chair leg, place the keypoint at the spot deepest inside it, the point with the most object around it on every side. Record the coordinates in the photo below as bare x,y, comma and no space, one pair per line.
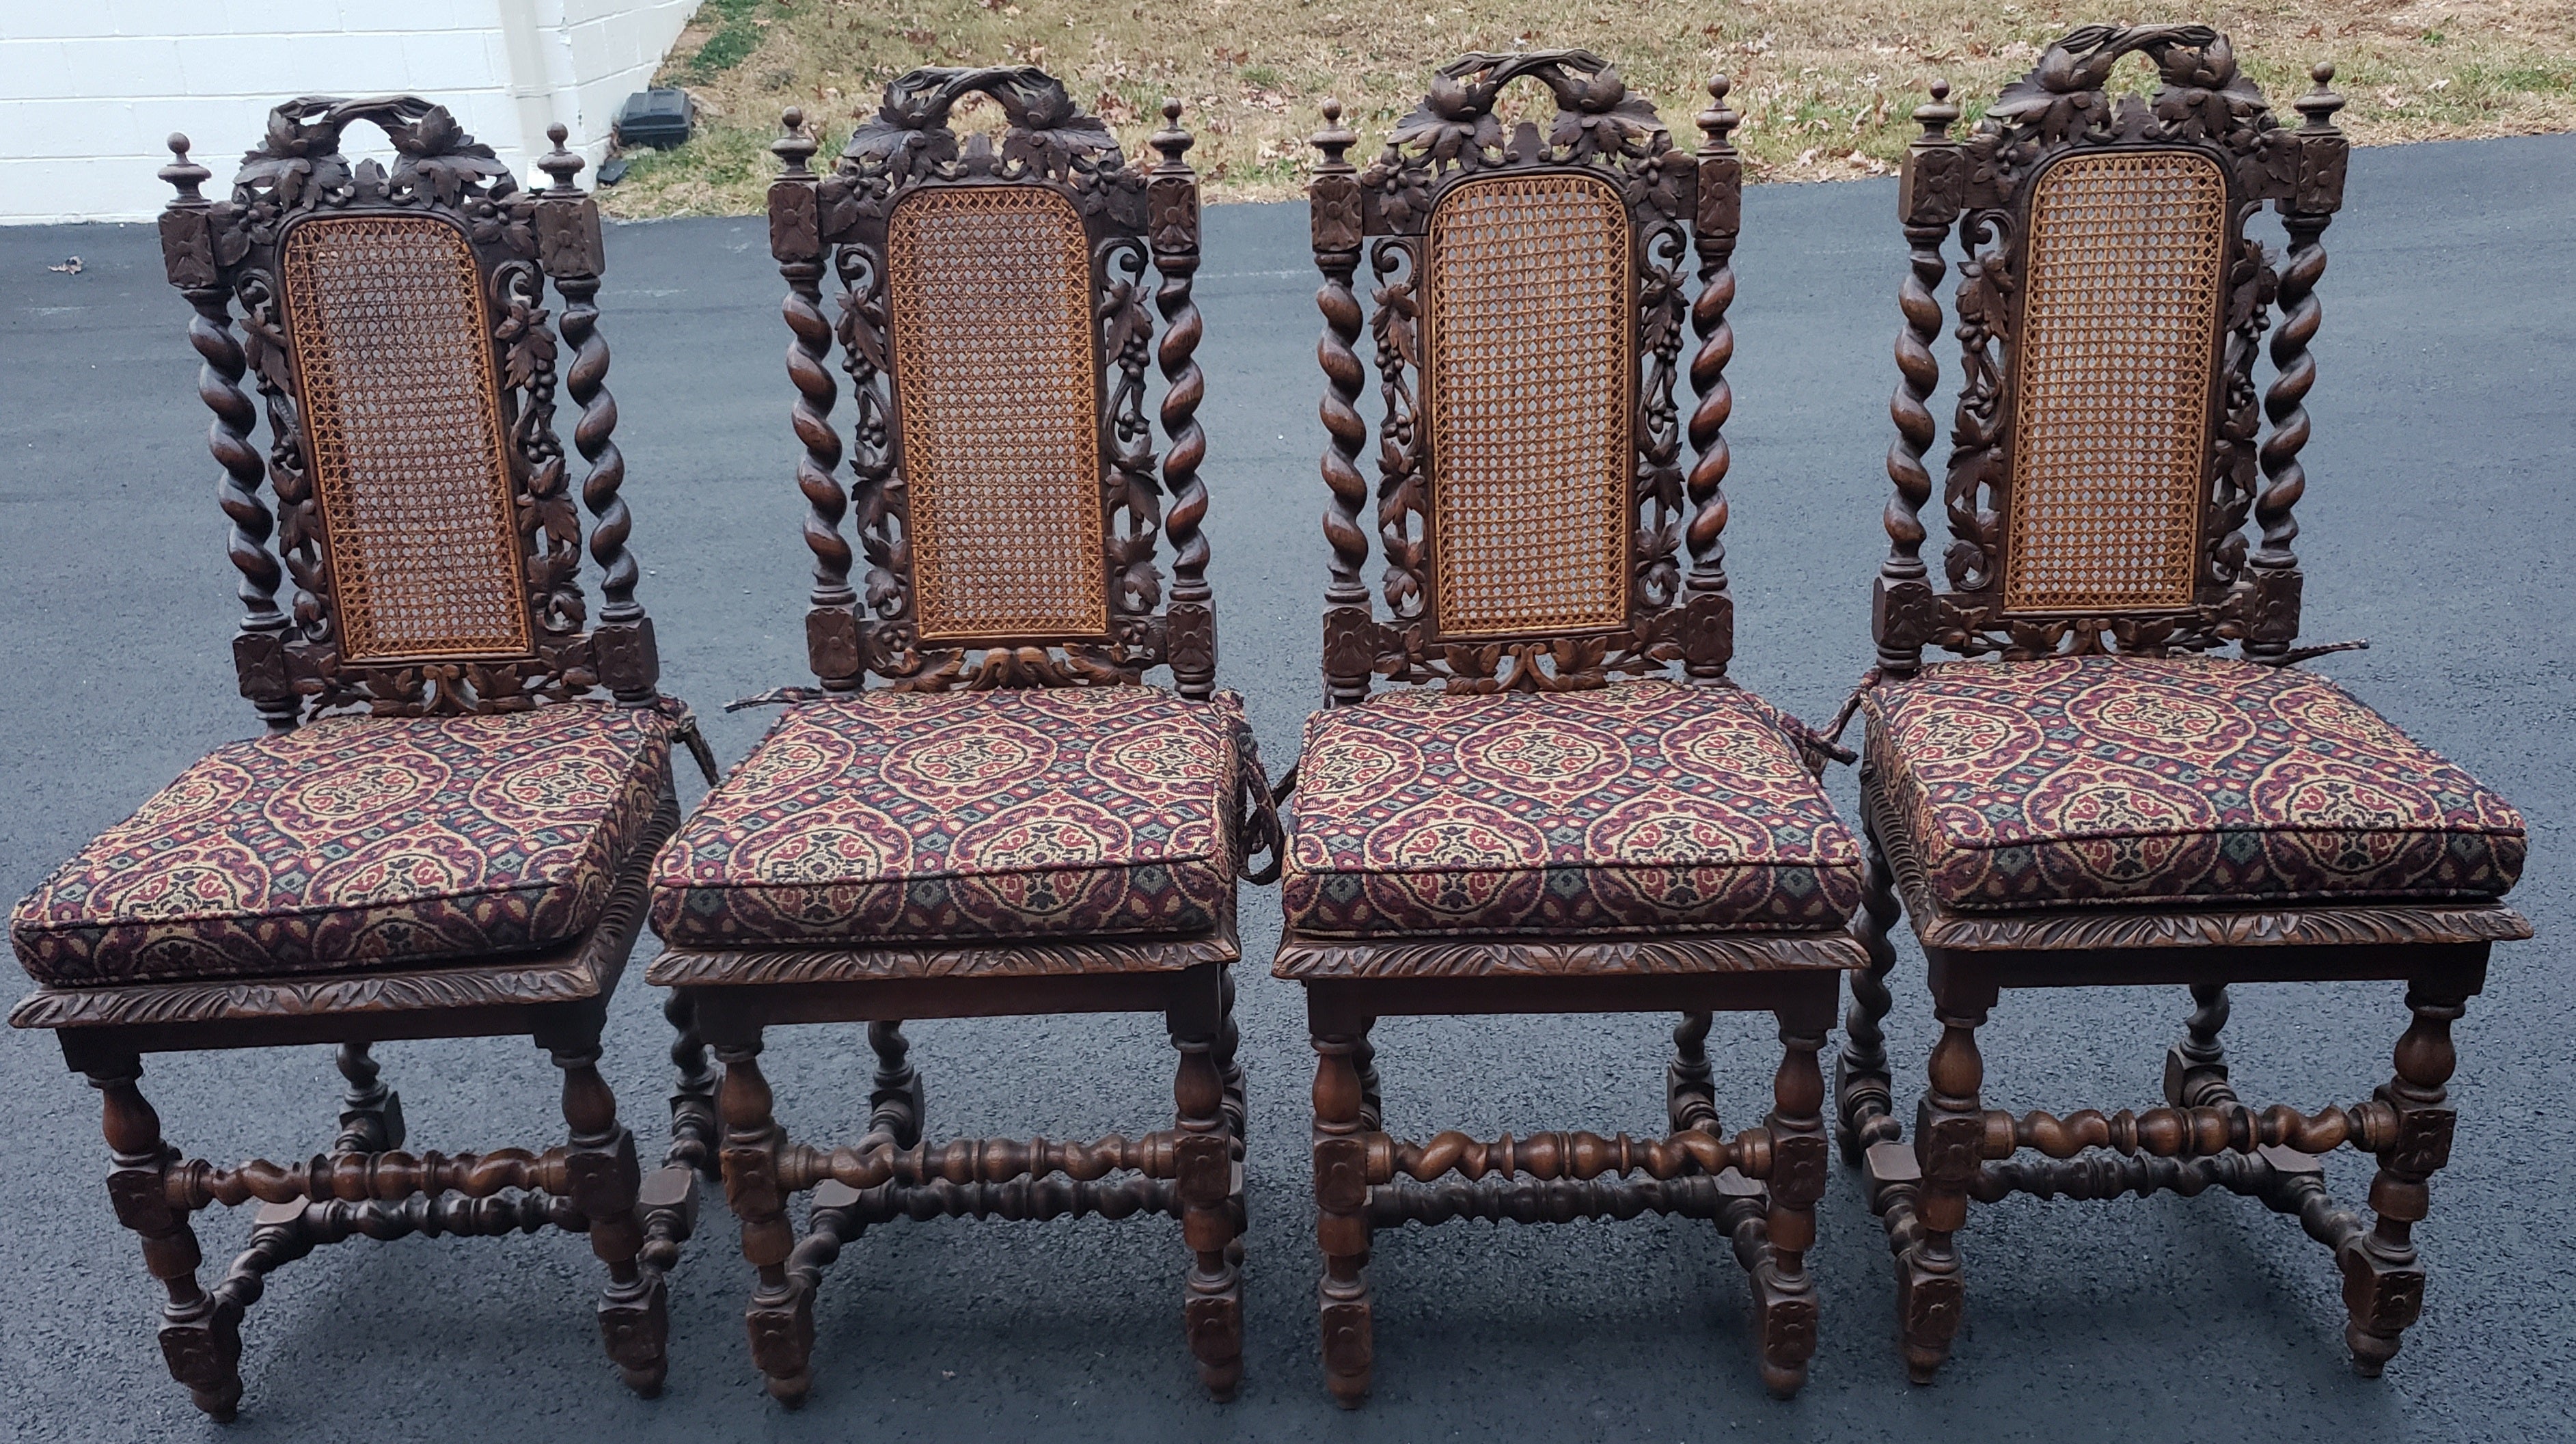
1690,1085
604,1181
1784,1294
1208,1180
1229,1040
1342,1106
670,1195
2383,1280
200,1336
1864,1092
371,1119
781,1315
1364,1058
1949,1132
2196,1067
694,1130
896,1102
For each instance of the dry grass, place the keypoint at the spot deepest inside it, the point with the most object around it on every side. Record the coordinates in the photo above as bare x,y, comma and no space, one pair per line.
1824,85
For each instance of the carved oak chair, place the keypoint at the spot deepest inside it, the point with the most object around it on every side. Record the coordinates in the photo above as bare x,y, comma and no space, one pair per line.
1008,823
446,829
1549,823
2093,797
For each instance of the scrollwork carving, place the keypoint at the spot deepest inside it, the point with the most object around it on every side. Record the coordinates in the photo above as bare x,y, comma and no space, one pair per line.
1133,217
1673,199
1984,183
289,658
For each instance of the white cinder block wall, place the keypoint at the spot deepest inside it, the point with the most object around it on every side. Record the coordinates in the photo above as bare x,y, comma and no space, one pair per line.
91,89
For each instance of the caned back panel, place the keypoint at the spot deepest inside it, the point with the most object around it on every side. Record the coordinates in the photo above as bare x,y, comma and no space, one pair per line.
1530,385
990,299
409,457
2110,450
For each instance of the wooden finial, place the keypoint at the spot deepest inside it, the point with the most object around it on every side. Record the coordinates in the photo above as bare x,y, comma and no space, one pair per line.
1334,138
1172,140
1719,119
793,146
560,163
1937,118
184,174
2319,105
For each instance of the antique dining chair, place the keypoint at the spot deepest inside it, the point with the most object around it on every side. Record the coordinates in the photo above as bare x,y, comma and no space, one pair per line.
446,830
1549,822
2093,797
1007,822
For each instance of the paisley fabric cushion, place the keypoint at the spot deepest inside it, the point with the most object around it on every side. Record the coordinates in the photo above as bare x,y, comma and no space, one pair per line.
359,842
2120,780
1641,808
903,817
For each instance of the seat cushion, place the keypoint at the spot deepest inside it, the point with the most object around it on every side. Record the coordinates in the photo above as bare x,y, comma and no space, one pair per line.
1647,807
889,817
2125,780
359,842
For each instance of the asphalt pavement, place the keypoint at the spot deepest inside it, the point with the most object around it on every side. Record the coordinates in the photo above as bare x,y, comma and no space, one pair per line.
2436,524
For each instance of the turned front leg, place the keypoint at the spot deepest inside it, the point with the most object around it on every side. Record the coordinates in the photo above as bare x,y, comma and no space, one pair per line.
1949,1134
2383,1280
200,1338
1784,1293
1341,1223
603,1179
1204,1174
781,1315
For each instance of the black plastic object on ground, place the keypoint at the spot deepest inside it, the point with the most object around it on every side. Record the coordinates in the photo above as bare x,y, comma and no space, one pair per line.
659,118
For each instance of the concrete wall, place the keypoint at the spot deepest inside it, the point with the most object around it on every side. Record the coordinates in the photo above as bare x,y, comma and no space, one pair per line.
90,89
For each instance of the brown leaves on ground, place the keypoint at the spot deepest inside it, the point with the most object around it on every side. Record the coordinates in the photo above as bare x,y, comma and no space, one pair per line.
1825,87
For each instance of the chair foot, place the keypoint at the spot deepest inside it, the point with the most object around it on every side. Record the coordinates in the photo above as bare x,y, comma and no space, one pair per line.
1349,1346
1784,1314
2384,1296
1928,1302
203,1349
781,1322
635,1323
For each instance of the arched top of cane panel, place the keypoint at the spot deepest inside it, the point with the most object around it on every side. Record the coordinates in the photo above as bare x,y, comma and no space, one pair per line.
2114,370
1529,384
998,389
408,454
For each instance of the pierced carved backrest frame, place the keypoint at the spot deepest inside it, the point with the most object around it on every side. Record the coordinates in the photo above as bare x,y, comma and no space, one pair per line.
394,324
2160,190
950,251
1459,212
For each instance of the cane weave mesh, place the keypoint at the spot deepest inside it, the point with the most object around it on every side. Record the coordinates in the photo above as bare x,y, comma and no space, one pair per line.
2117,346
408,456
1532,366
999,400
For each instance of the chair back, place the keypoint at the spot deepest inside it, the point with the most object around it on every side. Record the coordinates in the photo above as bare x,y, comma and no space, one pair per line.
995,327
394,323
2104,462
1527,300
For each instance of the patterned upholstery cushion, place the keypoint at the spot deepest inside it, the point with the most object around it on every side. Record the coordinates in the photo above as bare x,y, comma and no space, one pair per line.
1641,808
359,842
889,817
2187,780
